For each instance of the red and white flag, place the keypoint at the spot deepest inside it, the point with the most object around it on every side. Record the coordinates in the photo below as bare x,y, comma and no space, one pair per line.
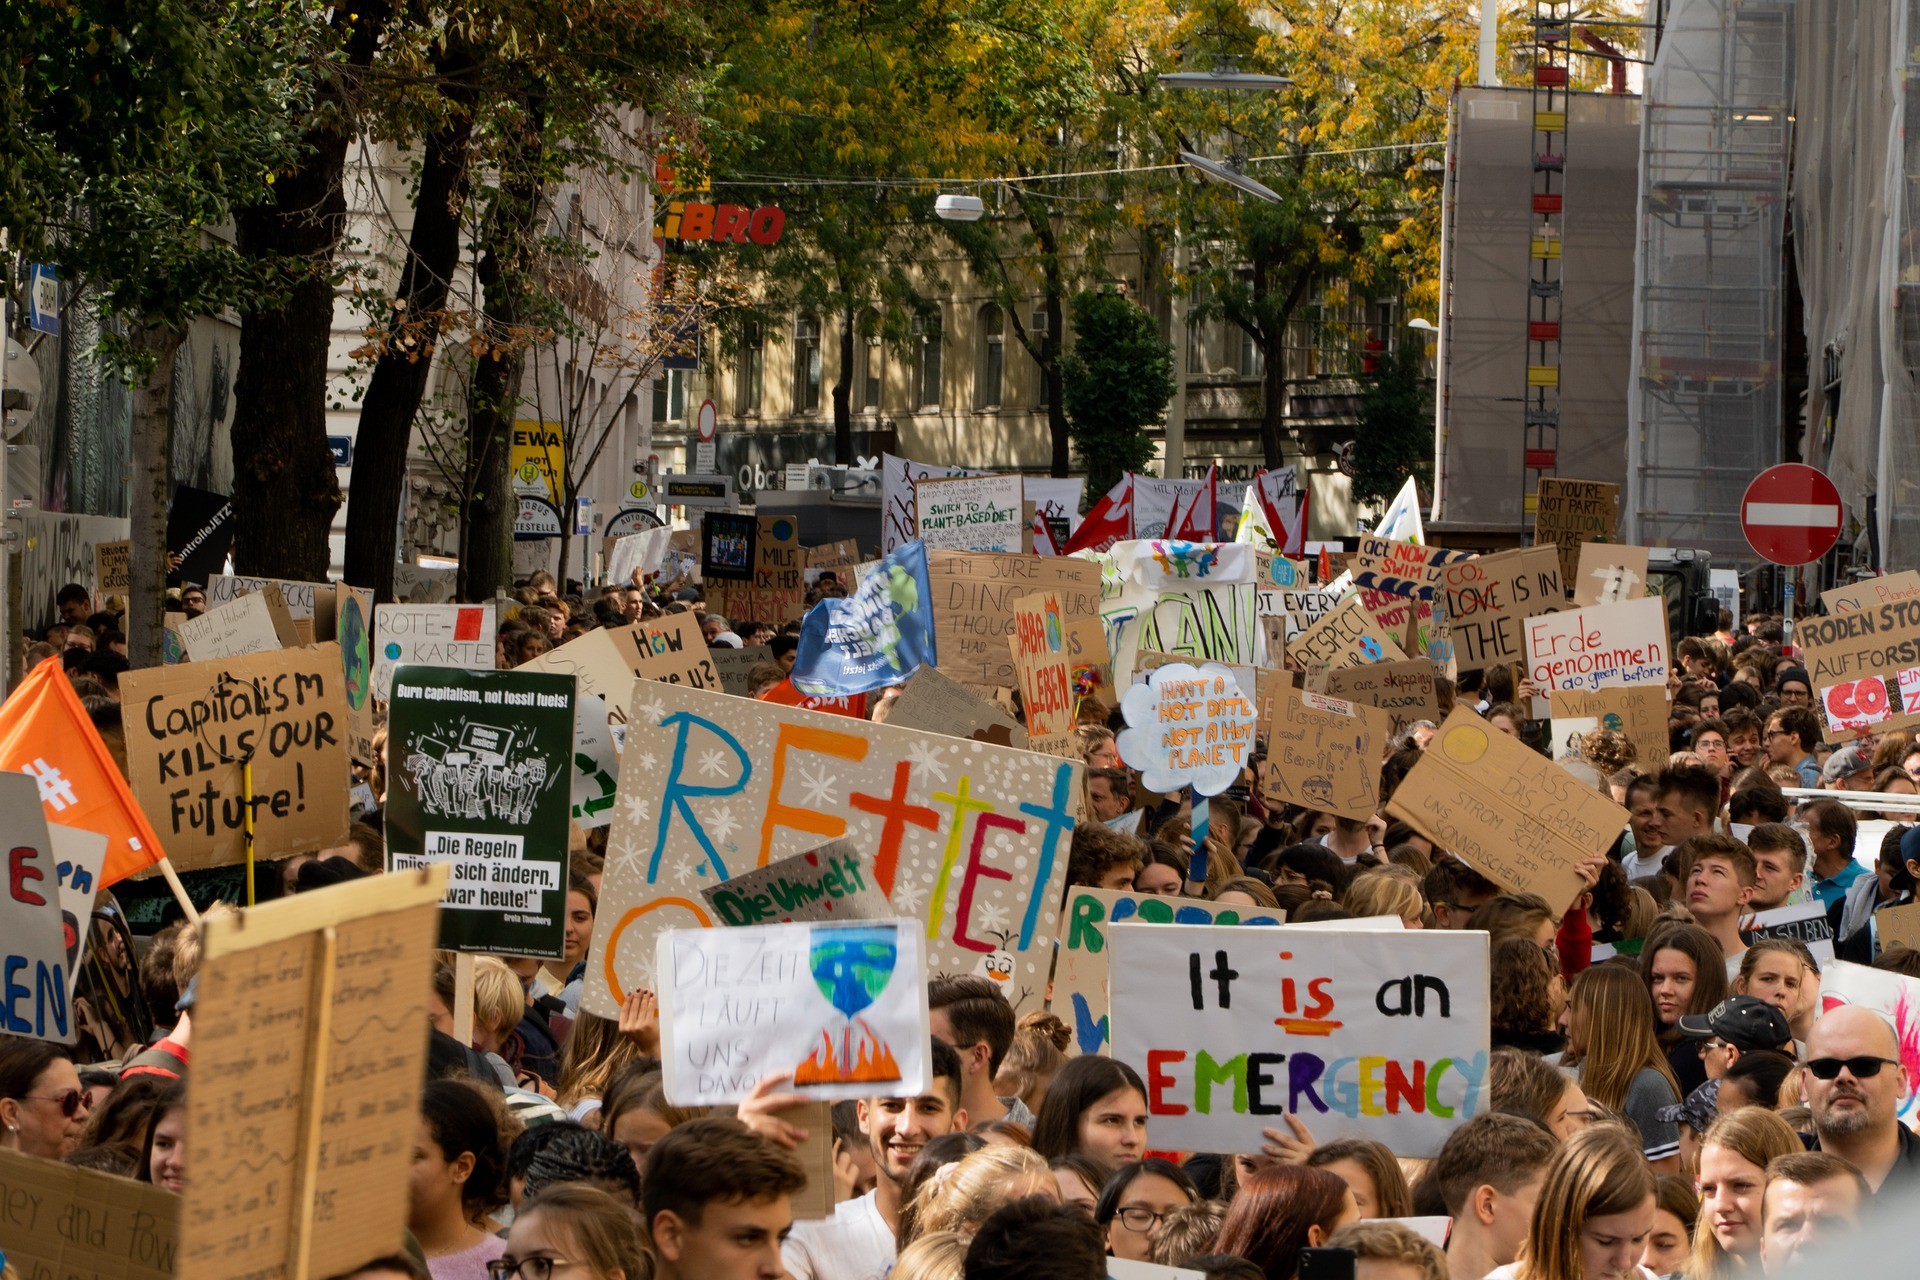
1197,521
1110,521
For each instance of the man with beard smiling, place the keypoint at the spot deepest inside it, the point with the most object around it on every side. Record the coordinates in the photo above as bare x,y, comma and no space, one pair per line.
1854,1084
859,1241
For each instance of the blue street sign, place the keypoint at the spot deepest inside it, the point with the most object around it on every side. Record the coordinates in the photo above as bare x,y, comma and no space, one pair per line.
43,298
342,447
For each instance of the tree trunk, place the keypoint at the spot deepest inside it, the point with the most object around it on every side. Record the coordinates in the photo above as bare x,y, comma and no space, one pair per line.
1056,381
285,489
401,370
152,448
843,392
1273,397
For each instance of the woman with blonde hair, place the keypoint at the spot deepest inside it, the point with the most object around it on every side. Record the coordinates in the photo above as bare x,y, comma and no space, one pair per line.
940,1255
1594,1213
962,1195
1783,972
1610,1041
1733,1178
1097,747
596,1052
1247,891
1377,893
635,1113
1039,1049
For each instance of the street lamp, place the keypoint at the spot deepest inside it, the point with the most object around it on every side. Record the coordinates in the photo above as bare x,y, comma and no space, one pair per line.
1423,325
1223,78
951,208
1229,175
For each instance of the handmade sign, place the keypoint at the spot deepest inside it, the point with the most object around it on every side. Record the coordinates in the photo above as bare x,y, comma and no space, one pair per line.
1362,1034
775,591
898,479
932,703
973,595
735,666
1192,599
1325,754
191,729
837,557
1187,727
110,575
970,839
481,779
1292,610
1346,637
1568,513
1154,503
1404,690
833,882
1505,810
299,597
33,946
1610,572
727,546
353,628
1865,666
1805,923
1402,568
1092,668
1897,926
257,622
596,763
1056,504
430,635
637,556
669,649
1488,597
59,1221
970,513
1084,962
78,859
1604,646
877,636
1261,684
840,1007
1890,589
309,1046
1045,670
1638,714
1894,997
1127,1269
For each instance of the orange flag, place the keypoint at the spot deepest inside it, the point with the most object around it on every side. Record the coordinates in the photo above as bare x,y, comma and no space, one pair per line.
46,734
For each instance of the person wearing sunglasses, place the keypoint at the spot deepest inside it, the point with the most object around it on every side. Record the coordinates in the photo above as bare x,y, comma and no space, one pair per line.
573,1231
42,1106
1854,1083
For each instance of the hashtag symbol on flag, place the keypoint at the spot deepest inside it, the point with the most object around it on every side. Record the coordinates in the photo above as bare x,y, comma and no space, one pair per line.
55,790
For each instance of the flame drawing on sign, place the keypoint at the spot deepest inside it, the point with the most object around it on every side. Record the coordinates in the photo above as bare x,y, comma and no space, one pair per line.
851,967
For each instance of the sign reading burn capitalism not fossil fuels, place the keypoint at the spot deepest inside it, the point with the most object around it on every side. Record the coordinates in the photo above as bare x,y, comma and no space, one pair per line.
481,778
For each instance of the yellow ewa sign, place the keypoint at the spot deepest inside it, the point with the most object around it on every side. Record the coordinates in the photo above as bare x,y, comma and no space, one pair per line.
538,458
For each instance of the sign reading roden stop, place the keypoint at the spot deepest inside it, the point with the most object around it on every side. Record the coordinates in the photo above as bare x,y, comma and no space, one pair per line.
1791,514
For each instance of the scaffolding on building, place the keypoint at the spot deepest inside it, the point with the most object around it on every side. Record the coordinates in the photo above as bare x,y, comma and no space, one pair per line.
1710,273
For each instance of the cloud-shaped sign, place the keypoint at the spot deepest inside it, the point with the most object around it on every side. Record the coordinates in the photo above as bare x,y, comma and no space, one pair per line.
1187,727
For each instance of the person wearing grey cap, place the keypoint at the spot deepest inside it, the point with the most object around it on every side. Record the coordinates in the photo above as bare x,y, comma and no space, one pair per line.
1848,769
1737,1025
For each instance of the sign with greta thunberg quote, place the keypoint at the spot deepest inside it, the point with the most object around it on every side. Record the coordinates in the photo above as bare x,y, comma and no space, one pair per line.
480,777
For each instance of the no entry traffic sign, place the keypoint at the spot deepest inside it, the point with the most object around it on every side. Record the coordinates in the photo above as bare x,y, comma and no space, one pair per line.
1791,514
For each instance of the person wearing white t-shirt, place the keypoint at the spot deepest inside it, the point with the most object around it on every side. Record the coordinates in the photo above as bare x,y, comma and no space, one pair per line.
859,1241
1643,817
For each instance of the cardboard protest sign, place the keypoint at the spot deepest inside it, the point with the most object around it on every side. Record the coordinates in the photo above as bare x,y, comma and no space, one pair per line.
833,882
1805,923
481,779
1890,589
637,556
190,727
353,628
1894,997
1568,513
110,568
932,703
1294,610
1084,958
1505,810
836,557
1362,1034
1639,714
735,666
841,1007
970,839
775,591
254,623
1346,637
424,584
1896,926
1488,597
1191,599
878,635
309,1045
1402,568
57,1220
1865,666
669,649
899,477
973,595
1603,646
970,513
596,763
430,635
79,858
1404,690
1045,671
1325,754
1609,572
33,945
299,597
1187,726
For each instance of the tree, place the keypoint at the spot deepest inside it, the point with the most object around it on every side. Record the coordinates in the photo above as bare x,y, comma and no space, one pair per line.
1118,379
1395,439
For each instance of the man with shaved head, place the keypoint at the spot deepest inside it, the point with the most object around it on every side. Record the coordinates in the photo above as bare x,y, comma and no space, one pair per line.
1854,1083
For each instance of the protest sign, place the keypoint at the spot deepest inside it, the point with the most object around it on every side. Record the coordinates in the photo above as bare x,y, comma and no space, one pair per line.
254,623
898,479
353,628
1488,597
1889,589
837,557
58,1221
189,729
932,703
1896,926
1056,503
1362,1034
481,779
430,635
1638,714
1609,572
1325,754
1154,502
727,545
110,569
840,1007
309,1046
637,556
1805,923
33,946
1259,683
78,859
1346,637
1505,810
970,513
1083,963
774,591
735,666
1404,690
1087,650
299,597
1127,1269
973,595
1568,513
833,882
1865,666
968,838
199,533
1191,599
1603,646
596,763
669,649
1045,671
877,636
1295,600
1402,568
1187,726
424,584
1894,997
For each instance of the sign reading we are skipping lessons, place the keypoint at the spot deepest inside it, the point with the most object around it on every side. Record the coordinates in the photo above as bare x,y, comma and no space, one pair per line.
1362,1034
